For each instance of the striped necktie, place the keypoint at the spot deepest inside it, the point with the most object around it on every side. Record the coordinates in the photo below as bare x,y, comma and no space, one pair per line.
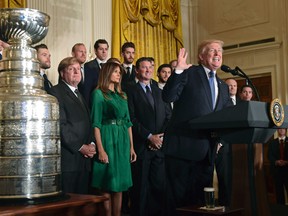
212,87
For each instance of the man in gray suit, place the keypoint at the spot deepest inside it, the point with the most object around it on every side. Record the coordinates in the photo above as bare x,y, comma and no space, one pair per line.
75,129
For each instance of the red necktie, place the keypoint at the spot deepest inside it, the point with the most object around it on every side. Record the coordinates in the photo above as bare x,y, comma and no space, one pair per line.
281,149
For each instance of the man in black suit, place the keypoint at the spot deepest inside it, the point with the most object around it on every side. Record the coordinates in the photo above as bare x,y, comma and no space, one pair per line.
80,53
128,79
44,58
278,157
75,129
128,54
92,69
223,161
149,115
189,154
232,84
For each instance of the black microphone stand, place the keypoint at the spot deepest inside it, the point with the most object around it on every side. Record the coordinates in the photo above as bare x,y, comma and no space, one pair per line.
242,74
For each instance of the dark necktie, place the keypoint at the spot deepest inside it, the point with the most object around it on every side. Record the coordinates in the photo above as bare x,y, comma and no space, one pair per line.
128,71
79,96
149,96
282,149
47,83
212,87
82,74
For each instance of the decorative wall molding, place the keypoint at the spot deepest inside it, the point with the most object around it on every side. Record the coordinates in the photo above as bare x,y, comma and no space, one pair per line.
236,14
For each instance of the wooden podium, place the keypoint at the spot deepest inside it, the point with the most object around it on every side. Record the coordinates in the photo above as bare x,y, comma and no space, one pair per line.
74,205
242,126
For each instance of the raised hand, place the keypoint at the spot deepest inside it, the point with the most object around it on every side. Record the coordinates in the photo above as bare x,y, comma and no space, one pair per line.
182,60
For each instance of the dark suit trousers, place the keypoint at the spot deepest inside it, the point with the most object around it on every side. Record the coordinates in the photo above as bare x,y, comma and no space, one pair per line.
75,182
281,182
223,165
186,180
148,190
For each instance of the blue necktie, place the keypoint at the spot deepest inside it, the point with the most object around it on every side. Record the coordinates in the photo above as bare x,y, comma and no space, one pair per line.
212,87
149,96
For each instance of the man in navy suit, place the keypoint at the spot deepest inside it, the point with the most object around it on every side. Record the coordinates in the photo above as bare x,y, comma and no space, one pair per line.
279,164
92,69
149,115
189,154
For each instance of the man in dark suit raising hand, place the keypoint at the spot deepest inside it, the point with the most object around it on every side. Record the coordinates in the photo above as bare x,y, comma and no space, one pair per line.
189,154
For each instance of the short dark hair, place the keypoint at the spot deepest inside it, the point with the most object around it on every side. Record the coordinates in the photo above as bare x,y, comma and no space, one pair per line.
151,59
40,46
141,60
127,45
246,86
100,41
163,66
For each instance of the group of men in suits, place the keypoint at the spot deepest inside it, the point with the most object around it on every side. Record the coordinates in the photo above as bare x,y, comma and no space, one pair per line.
92,69
187,154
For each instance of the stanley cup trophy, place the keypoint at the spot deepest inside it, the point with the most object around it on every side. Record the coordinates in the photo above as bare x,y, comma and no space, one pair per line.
29,131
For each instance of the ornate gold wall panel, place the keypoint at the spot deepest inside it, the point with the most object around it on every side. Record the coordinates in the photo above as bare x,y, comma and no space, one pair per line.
12,3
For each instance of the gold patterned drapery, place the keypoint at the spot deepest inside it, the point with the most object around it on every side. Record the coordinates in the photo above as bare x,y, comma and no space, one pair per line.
154,26
12,3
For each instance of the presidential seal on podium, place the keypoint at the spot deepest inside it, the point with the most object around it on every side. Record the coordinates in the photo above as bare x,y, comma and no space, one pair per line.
277,112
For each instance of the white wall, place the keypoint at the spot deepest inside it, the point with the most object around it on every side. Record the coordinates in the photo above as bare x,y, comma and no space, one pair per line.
73,21
233,21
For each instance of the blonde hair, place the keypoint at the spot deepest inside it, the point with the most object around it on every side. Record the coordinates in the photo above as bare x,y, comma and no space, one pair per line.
202,48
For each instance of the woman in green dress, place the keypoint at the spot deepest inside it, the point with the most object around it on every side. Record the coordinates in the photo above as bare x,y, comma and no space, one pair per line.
113,134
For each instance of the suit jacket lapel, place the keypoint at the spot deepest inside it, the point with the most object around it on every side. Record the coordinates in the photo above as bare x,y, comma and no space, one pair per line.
143,95
220,89
74,97
206,85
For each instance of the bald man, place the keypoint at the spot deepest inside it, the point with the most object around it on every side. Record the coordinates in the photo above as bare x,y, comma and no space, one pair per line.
232,84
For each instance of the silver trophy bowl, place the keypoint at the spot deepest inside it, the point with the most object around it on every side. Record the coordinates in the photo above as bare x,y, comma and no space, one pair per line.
27,25
30,161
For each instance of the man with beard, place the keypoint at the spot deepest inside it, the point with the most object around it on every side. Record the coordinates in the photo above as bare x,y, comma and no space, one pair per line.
163,73
43,56
128,54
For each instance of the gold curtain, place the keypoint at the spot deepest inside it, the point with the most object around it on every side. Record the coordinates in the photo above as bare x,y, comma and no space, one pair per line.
12,3
154,26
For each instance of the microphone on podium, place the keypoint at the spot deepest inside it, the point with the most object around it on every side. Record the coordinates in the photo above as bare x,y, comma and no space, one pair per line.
227,69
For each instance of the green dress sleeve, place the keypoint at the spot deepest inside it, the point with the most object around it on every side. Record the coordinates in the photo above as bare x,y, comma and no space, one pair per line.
97,108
